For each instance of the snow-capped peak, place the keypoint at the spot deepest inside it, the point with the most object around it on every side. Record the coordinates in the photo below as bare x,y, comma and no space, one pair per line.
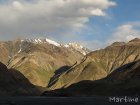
72,46
40,41
52,42
77,47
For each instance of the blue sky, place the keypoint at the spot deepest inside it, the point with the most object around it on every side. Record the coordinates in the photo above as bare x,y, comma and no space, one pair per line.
93,23
102,28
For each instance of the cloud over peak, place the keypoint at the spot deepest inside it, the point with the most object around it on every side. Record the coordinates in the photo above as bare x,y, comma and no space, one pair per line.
126,32
27,16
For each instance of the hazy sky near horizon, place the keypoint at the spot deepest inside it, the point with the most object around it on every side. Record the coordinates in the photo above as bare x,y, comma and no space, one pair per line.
93,23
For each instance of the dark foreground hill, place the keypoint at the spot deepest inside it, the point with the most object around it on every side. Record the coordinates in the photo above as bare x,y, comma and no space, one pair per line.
13,83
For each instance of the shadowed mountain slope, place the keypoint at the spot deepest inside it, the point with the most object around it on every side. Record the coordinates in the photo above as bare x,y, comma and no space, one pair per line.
121,82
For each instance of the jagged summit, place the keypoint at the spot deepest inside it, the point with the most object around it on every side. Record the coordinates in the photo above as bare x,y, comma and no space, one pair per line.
135,40
118,43
72,46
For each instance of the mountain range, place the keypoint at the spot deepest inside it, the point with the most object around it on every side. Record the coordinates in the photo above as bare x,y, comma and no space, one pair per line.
69,69
38,59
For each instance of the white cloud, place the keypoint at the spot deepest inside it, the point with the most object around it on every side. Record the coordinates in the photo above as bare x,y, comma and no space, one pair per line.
126,32
19,17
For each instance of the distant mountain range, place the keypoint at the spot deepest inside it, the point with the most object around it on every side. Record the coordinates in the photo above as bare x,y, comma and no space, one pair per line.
72,46
57,68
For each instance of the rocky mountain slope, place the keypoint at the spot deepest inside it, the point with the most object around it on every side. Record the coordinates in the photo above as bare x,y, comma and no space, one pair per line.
123,81
99,64
37,59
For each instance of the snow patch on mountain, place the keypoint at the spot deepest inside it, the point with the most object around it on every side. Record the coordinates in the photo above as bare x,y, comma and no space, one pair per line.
40,41
20,49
